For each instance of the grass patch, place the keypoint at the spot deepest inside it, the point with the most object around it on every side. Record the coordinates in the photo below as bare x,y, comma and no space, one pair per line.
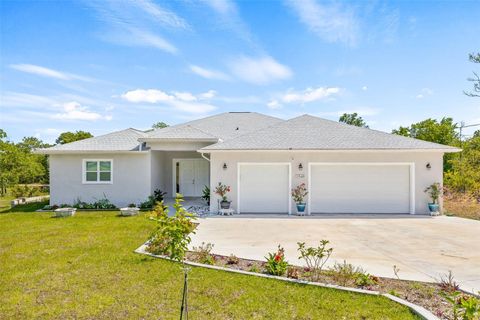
84,267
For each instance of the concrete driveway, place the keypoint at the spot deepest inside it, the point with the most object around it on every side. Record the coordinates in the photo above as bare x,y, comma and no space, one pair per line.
423,248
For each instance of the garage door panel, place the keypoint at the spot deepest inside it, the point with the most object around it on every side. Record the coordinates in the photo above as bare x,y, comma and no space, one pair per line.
264,188
360,188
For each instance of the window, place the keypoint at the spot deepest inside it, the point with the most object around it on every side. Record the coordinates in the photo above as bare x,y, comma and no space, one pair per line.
97,171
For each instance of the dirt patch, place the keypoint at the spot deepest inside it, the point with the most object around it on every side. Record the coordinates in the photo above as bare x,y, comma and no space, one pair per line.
461,205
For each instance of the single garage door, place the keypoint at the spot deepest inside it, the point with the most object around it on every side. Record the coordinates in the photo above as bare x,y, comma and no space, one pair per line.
264,188
360,188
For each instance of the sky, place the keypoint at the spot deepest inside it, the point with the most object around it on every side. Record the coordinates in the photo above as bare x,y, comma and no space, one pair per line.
102,66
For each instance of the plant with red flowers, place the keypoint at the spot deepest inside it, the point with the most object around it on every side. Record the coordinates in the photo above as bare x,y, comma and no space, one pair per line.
276,263
299,193
222,191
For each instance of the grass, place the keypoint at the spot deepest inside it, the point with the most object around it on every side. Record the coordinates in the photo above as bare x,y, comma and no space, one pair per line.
84,267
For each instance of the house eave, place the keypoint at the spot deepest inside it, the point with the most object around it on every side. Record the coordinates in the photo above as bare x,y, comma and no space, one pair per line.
446,150
89,152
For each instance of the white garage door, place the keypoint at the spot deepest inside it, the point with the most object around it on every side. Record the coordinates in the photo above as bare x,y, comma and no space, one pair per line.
264,188
360,188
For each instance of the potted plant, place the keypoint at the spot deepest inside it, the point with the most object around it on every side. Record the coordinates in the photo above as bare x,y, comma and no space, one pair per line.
222,191
206,195
298,194
434,191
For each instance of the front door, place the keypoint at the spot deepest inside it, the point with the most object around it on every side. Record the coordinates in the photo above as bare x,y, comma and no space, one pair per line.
192,176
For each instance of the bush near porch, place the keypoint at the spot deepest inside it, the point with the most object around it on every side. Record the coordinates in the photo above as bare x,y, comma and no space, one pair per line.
84,267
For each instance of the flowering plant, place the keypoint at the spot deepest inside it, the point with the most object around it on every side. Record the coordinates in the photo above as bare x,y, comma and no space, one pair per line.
276,263
299,193
222,191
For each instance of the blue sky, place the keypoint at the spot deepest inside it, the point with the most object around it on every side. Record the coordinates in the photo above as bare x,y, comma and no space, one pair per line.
102,66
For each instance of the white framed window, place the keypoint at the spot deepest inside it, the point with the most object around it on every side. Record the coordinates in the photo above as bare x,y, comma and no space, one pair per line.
99,171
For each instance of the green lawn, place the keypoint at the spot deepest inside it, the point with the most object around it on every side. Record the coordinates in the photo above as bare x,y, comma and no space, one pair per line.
84,267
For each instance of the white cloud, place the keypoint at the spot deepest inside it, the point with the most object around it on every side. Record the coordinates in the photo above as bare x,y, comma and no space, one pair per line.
75,111
182,101
425,92
364,88
334,22
209,73
47,72
274,104
261,70
210,94
136,23
309,94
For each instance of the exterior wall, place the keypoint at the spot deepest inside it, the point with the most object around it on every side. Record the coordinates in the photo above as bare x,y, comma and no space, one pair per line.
162,168
423,176
130,176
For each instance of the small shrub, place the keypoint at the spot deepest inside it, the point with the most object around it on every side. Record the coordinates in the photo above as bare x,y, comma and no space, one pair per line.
206,195
315,258
172,234
233,259
104,204
149,203
448,284
254,268
132,205
202,253
365,280
276,263
293,273
464,307
158,195
345,273
25,191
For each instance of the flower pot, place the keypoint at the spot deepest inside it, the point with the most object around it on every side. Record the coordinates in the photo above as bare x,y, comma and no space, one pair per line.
301,208
224,204
433,207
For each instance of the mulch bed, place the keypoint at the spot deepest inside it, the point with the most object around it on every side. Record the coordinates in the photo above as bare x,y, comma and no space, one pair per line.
428,295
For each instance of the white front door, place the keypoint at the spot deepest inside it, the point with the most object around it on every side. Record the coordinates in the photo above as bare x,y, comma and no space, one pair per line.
193,176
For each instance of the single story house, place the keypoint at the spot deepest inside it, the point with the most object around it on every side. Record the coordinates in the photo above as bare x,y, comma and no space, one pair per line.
346,169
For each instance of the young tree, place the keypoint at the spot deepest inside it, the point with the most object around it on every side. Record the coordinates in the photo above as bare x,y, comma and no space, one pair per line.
159,125
353,119
475,58
67,137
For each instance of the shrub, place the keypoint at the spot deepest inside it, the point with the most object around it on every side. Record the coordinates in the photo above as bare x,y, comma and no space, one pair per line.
315,258
448,284
158,195
132,205
464,307
202,254
365,280
25,191
276,263
206,194
172,234
254,268
345,273
104,203
233,259
149,203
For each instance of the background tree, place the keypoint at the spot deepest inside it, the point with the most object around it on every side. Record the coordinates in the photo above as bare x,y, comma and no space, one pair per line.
159,125
354,119
67,137
475,58
443,132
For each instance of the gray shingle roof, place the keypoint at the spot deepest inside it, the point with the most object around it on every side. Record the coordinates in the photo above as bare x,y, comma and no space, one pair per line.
311,133
221,126
124,140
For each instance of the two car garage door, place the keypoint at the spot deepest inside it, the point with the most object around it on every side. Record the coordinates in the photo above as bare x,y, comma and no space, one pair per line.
333,188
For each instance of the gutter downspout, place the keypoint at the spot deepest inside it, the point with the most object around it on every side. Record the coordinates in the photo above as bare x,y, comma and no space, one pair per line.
204,157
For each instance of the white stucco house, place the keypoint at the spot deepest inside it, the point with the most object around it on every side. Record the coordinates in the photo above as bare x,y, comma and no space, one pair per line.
347,169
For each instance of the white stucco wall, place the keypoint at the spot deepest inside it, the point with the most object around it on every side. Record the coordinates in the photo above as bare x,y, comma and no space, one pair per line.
423,176
162,168
131,179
